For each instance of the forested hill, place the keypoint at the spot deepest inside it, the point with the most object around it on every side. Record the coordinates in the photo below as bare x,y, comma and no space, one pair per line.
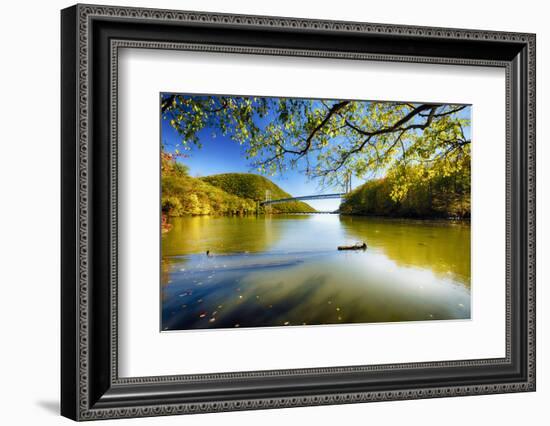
227,194
433,197
251,186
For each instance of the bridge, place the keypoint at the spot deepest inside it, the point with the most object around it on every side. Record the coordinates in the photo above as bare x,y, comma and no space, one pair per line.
268,201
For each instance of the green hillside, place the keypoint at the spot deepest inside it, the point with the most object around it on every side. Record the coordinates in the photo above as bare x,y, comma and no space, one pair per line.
185,195
434,197
251,186
228,194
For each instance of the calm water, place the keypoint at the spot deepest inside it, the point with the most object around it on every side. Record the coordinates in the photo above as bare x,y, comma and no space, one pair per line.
285,270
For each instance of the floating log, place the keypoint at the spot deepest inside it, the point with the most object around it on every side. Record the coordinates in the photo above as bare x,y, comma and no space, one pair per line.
356,246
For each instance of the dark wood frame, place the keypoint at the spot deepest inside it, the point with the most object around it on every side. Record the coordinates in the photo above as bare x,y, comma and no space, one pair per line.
91,37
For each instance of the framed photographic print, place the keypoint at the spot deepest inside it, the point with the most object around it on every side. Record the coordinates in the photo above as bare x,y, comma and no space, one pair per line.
264,212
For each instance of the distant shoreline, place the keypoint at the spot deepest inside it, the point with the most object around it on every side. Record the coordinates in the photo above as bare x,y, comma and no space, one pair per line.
434,218
350,215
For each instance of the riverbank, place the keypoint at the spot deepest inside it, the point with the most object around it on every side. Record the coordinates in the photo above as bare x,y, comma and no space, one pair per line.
166,219
466,220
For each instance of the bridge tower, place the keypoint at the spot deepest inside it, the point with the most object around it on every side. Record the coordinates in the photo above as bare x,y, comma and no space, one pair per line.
267,205
347,183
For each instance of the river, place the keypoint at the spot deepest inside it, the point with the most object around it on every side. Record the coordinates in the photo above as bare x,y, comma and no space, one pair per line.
286,270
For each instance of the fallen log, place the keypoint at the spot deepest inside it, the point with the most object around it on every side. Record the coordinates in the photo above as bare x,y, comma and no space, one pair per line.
357,246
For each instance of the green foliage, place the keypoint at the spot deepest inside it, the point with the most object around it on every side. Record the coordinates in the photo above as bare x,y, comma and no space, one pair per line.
331,138
413,191
179,169
185,195
171,205
253,186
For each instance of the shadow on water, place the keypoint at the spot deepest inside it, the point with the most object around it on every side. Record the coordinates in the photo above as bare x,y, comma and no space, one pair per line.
286,271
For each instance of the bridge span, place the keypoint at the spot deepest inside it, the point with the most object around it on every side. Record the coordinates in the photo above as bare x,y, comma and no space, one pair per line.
269,201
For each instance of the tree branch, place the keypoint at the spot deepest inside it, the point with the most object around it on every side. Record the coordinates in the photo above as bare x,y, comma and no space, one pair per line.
332,111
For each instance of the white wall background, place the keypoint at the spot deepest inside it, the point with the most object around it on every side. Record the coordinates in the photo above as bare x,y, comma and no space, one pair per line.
29,213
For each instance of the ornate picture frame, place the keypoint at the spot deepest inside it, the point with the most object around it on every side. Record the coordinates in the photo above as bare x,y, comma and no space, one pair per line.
90,41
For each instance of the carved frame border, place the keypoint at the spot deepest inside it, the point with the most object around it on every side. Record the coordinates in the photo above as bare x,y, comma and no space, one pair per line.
85,13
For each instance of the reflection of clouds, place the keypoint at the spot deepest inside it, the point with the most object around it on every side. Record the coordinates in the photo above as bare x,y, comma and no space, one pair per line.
443,247
410,289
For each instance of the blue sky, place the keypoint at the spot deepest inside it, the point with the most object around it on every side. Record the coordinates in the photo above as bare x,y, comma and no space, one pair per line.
220,154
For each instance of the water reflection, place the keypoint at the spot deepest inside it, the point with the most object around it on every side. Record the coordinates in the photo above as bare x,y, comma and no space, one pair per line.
285,270
442,246
220,235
